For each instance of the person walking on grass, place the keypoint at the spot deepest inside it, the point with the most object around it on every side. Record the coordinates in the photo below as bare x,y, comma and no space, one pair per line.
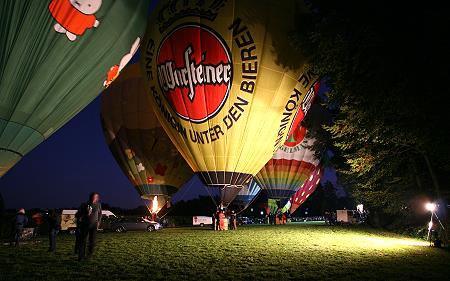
20,221
54,226
90,219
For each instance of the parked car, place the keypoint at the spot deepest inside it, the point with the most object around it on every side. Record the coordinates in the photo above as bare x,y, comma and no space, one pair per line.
131,224
244,220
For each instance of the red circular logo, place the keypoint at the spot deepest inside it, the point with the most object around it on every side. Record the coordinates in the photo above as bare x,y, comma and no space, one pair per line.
194,71
296,136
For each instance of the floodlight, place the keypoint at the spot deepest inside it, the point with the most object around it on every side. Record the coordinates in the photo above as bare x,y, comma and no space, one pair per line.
430,207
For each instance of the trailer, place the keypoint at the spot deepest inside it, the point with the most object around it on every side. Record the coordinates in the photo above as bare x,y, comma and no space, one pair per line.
202,220
346,216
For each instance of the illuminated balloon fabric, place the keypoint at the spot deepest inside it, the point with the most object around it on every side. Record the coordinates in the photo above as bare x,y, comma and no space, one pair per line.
286,207
138,142
225,82
53,61
273,205
289,168
306,190
246,195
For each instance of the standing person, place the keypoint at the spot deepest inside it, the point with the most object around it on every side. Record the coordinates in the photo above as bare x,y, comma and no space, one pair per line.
233,220
37,219
20,220
91,217
54,226
217,220
214,221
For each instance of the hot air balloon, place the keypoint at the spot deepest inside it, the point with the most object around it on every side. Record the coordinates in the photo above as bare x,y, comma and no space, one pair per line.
292,164
305,191
286,172
246,196
273,206
54,58
225,81
138,142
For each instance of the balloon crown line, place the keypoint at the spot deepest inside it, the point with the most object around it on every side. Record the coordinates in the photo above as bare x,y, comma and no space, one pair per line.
173,10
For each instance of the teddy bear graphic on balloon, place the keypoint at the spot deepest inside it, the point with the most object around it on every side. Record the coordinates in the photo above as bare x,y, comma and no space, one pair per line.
73,17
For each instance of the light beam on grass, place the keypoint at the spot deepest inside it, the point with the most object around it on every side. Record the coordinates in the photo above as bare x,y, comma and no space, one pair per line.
393,242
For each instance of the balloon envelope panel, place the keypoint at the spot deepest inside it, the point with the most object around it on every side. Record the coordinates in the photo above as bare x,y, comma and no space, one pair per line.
138,142
289,168
225,82
306,190
53,61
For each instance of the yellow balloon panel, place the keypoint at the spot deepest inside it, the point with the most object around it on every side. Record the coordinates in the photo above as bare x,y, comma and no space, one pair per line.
225,81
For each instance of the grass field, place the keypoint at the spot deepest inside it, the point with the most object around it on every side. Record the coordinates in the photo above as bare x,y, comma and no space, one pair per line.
296,251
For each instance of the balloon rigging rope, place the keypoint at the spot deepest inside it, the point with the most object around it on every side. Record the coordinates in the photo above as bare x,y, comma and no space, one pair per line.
212,197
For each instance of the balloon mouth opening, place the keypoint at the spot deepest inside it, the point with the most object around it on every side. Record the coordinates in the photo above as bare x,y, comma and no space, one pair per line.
155,202
224,178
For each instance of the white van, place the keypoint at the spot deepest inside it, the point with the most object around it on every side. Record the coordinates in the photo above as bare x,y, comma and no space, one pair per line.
202,220
68,222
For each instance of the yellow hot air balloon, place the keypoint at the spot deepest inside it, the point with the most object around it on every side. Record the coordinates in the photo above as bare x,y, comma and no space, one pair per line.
225,82
137,141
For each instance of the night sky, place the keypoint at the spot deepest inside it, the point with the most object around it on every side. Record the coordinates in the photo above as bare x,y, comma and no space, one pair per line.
62,171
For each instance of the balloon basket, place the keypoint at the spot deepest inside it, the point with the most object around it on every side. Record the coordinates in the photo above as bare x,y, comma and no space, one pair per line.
223,222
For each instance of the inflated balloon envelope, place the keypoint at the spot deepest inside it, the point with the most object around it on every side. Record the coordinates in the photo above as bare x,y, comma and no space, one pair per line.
305,191
54,60
225,82
288,170
137,141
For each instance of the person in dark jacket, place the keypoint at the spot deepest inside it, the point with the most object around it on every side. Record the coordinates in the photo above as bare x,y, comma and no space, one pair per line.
233,222
216,220
54,226
20,221
90,215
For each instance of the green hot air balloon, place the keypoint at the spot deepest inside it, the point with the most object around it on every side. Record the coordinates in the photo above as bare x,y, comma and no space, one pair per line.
55,57
138,142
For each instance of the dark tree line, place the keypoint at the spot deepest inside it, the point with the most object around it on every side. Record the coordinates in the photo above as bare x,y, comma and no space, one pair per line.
387,66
